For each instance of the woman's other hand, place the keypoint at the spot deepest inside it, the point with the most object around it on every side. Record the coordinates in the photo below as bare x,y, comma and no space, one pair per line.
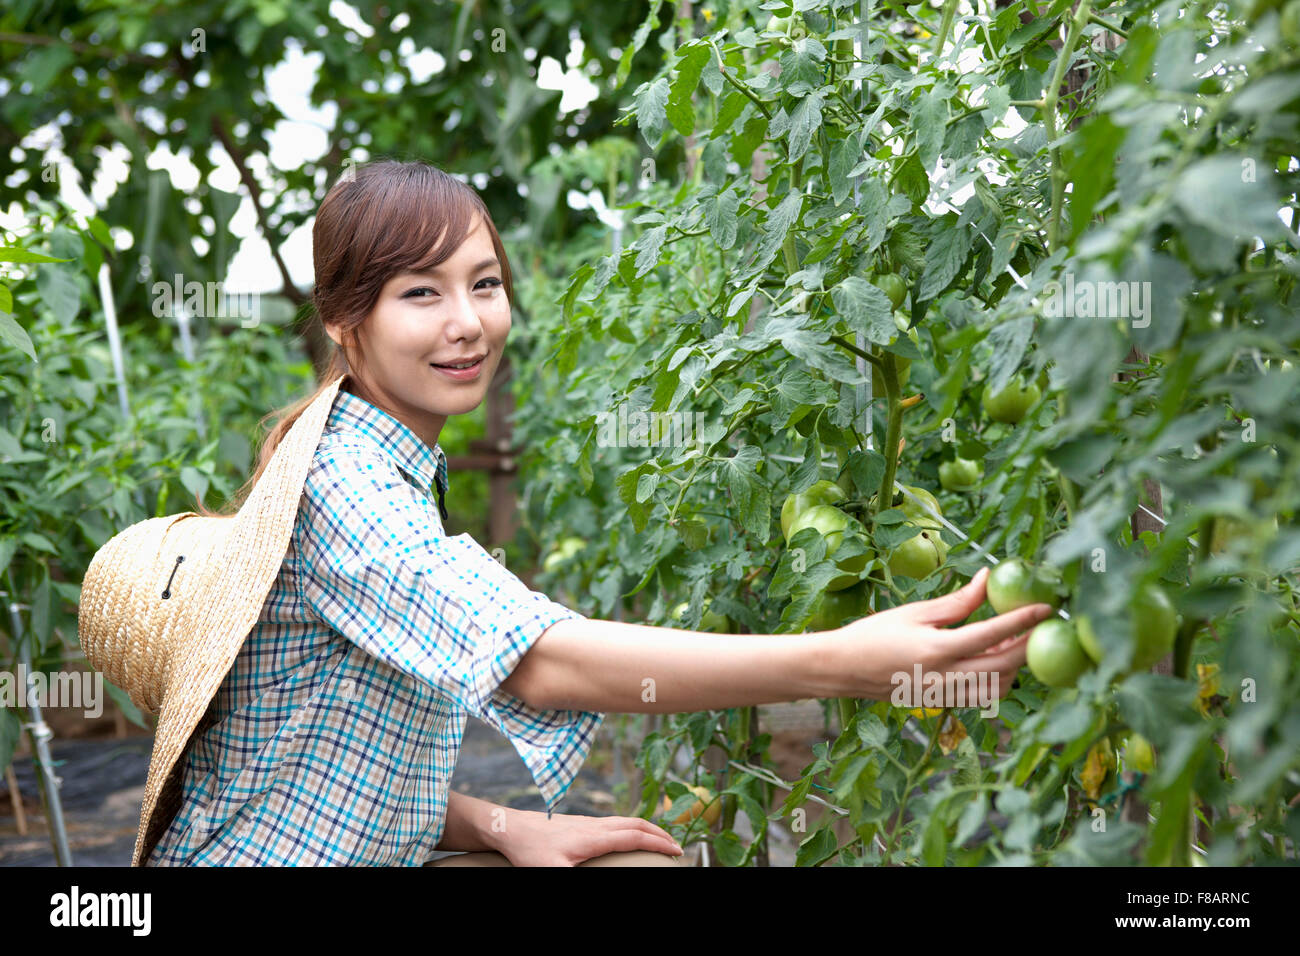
530,839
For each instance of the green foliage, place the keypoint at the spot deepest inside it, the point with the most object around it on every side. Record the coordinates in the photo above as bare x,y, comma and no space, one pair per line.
73,471
743,293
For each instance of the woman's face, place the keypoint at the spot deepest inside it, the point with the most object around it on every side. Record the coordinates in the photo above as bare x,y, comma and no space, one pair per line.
455,314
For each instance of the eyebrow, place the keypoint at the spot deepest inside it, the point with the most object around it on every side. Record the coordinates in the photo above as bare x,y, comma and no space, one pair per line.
477,267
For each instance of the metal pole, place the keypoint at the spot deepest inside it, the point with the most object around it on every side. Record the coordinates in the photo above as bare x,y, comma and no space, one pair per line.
114,338
187,349
41,737
115,349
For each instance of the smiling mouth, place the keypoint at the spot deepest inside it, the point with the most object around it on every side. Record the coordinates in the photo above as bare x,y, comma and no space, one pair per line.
461,366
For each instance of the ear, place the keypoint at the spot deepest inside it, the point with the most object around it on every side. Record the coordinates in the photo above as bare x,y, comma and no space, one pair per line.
333,332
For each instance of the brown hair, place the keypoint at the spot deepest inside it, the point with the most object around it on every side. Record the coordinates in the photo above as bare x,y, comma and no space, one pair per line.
382,219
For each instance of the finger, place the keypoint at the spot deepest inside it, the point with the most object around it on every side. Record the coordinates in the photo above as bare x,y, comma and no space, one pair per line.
1003,643
662,838
957,606
981,636
976,673
636,823
624,841
1009,658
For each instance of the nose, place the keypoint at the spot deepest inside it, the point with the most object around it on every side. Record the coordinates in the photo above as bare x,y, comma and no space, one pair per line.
463,320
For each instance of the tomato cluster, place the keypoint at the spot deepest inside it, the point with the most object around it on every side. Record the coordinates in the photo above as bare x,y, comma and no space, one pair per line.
1059,652
846,595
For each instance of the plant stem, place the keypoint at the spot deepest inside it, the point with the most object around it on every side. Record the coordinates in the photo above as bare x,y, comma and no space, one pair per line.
787,245
1187,633
893,431
844,343
745,90
940,38
1049,108
848,710
912,776
1093,18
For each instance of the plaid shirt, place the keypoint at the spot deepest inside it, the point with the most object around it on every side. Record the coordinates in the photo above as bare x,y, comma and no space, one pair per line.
333,737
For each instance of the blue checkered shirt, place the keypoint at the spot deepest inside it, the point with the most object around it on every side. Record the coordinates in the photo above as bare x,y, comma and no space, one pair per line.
333,737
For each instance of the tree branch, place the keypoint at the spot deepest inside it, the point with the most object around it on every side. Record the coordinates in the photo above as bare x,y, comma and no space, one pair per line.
85,49
290,291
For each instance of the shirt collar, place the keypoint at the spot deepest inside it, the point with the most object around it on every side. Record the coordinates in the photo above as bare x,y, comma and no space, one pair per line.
427,465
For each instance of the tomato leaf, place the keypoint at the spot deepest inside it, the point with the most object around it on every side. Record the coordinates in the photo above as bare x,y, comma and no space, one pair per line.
818,848
750,496
866,309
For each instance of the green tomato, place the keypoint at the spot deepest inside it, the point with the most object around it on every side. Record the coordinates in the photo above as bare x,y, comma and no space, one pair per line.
1138,754
889,283
565,550
1014,583
784,26
961,474
821,493
1054,654
1154,624
1088,637
831,524
913,510
919,556
709,620
1228,530
844,47
1010,405
834,607
713,621
1290,26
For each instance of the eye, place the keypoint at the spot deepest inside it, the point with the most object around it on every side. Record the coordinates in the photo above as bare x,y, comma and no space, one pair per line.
492,283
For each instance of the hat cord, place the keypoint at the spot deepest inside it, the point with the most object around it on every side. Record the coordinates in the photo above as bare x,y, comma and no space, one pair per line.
167,591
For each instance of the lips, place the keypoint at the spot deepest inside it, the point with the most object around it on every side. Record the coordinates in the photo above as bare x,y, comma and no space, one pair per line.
464,363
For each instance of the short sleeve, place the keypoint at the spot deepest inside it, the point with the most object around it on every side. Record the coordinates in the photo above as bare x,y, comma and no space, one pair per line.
377,566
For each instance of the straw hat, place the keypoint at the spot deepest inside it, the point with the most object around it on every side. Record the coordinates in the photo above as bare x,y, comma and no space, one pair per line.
167,603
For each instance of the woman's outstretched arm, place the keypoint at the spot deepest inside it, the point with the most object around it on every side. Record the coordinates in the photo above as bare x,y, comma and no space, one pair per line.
615,667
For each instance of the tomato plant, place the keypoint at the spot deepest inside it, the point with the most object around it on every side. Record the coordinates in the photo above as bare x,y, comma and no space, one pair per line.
1116,256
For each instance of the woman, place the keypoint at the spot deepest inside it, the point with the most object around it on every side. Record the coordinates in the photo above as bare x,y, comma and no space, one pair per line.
333,737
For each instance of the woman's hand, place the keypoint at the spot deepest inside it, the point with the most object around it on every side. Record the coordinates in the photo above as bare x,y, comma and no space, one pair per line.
879,653
530,839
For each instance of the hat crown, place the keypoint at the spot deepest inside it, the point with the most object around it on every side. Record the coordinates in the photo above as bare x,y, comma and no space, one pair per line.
139,591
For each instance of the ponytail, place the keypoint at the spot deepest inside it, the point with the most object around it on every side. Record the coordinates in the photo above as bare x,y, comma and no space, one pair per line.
286,417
